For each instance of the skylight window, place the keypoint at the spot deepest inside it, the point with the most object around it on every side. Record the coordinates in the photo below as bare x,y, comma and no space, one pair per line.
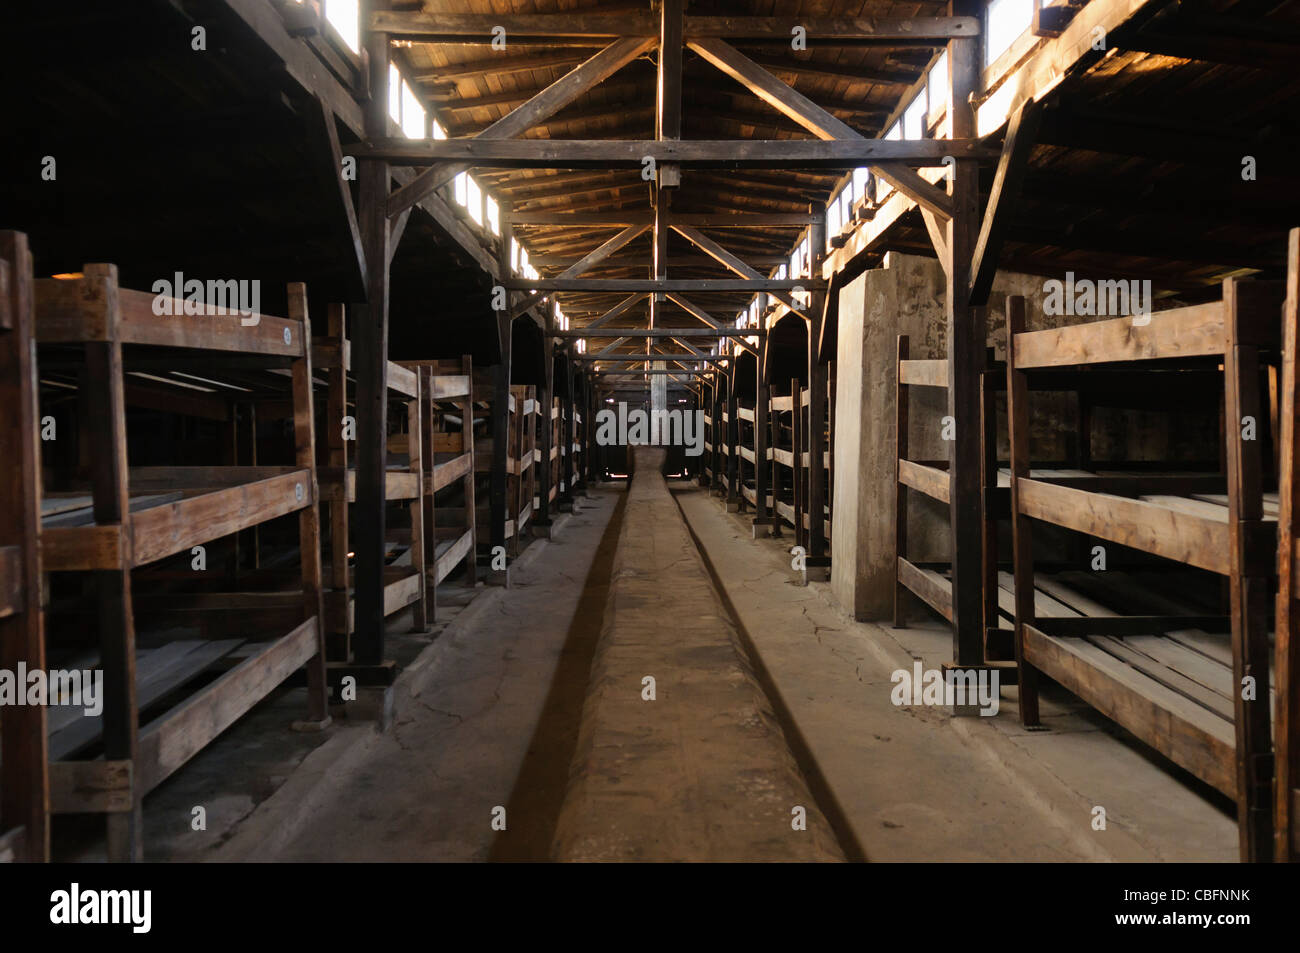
895,131
860,179
474,200
345,17
438,131
412,120
1004,22
914,118
394,93
937,84
833,220
459,188
494,215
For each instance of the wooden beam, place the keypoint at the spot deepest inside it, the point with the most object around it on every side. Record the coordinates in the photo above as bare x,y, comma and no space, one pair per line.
546,103
343,217
592,258
548,27
627,285
712,332
724,257
831,154
645,216
1019,143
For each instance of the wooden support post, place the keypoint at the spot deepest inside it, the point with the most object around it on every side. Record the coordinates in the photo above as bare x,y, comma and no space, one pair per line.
1286,736
545,400
901,424
566,458
370,367
304,439
467,446
762,515
24,776
733,442
1249,583
1021,525
425,606
817,403
966,343
106,423
339,644
989,485
796,472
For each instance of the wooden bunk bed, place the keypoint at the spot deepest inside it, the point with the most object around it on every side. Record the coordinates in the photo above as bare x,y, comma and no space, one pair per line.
105,535
1195,691
932,582
522,486
24,777
791,448
447,461
402,486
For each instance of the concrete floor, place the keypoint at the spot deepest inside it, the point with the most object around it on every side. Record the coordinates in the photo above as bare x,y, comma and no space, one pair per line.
488,712
917,784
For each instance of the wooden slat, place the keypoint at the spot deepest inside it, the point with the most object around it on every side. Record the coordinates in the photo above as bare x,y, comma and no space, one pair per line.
444,474
1193,331
933,589
164,530
171,740
1149,527
90,787
933,373
452,556
931,481
1183,731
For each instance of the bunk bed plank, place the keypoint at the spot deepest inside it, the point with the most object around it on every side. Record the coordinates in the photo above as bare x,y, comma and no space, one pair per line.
172,739
1193,331
1149,527
1183,731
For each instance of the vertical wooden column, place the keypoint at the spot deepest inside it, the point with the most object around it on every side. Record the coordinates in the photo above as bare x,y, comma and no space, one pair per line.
1021,525
733,438
762,393
1286,735
966,343
304,443
1246,309
796,472
370,366
24,775
566,457
545,402
425,606
816,400
990,497
106,423
339,643
901,424
467,446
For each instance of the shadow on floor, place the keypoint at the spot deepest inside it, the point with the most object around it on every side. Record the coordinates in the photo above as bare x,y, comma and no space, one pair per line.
544,777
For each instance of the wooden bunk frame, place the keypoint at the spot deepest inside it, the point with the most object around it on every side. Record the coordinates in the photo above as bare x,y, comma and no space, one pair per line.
188,506
1286,731
338,485
24,776
796,475
934,479
446,460
1162,677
